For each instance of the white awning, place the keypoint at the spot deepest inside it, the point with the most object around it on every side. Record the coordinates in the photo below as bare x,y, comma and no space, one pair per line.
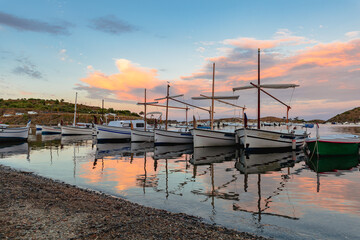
273,86
148,103
216,97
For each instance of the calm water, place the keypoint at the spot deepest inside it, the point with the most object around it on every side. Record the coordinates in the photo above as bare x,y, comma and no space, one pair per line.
281,195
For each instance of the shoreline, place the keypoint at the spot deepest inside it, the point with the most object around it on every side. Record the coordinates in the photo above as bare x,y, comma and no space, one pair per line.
35,207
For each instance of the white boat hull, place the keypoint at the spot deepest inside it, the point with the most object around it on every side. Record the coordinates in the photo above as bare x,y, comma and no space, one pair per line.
141,136
14,134
108,133
164,137
51,130
258,140
74,130
208,138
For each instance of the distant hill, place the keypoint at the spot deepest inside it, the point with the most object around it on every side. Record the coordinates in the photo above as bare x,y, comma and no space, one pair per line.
51,111
351,116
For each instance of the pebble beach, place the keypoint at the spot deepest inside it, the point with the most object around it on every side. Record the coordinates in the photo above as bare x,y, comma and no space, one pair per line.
34,207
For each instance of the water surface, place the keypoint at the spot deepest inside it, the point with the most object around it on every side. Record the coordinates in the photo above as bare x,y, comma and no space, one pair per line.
280,195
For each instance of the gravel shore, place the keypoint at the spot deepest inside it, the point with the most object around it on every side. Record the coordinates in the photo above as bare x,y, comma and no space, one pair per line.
33,207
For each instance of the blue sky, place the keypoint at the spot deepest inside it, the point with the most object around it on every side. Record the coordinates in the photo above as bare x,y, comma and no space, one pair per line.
112,49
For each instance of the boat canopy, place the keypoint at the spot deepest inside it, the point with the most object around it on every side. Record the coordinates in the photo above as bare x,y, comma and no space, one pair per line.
273,86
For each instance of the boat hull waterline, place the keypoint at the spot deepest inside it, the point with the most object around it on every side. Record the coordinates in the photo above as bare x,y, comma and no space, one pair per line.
142,136
333,147
14,134
74,130
50,130
208,138
264,140
164,137
109,133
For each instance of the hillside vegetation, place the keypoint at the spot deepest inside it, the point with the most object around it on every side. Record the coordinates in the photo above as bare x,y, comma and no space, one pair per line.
350,116
53,111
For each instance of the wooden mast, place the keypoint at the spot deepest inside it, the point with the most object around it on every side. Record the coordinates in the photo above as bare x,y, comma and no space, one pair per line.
258,119
287,106
145,110
167,106
212,100
74,122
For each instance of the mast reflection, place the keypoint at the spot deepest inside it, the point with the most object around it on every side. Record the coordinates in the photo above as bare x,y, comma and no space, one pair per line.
259,164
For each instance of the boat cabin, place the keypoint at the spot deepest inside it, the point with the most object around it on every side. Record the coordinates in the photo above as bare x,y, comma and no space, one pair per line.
127,123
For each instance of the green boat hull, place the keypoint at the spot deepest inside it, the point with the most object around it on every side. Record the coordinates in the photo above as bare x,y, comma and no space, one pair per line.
329,148
332,163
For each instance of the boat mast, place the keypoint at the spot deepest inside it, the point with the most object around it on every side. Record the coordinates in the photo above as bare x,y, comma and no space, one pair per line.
74,122
167,106
145,109
212,100
258,119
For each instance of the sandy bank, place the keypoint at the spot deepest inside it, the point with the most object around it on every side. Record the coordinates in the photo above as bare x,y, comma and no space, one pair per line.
33,207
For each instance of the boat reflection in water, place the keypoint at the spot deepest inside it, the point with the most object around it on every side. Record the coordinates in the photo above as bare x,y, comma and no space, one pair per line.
332,163
9,150
323,164
49,138
261,164
208,155
211,156
172,151
142,147
113,150
69,139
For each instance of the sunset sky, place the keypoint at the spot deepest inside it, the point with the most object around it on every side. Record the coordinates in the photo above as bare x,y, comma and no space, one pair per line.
112,50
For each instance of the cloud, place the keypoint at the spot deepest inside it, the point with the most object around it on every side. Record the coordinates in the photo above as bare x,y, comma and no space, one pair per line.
63,55
126,85
26,67
325,71
23,24
200,49
283,37
352,34
110,24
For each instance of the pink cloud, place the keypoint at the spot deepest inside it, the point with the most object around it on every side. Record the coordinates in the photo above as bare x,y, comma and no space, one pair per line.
129,78
324,71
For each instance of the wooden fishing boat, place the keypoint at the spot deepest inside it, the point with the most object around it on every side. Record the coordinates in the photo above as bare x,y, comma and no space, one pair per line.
259,140
144,135
344,144
118,130
164,137
211,138
77,128
50,130
168,137
14,134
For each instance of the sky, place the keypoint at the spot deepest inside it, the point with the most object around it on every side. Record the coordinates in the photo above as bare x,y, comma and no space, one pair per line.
114,49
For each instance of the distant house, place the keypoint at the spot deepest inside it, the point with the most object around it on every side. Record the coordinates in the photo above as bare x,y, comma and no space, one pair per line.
7,115
32,113
19,114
